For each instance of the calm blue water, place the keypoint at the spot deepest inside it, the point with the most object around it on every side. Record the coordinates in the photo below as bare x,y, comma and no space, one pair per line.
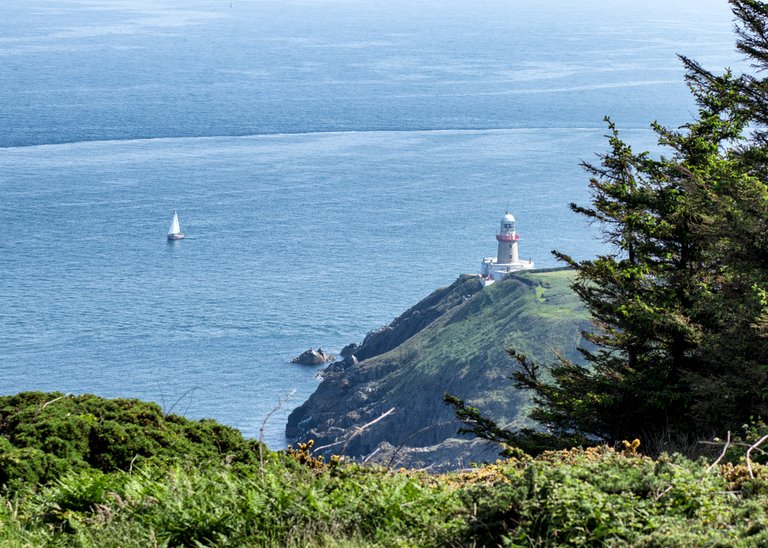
332,162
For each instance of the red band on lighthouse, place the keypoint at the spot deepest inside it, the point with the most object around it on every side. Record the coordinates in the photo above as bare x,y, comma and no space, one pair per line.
507,237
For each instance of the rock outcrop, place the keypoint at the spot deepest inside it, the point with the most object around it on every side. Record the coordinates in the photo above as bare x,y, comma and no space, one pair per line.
313,357
454,341
349,350
349,361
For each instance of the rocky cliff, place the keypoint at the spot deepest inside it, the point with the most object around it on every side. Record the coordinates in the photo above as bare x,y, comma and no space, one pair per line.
452,341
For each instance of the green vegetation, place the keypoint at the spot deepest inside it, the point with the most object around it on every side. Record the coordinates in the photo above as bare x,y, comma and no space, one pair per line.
201,484
82,470
45,436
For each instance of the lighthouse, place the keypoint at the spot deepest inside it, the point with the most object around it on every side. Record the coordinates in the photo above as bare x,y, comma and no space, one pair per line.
507,257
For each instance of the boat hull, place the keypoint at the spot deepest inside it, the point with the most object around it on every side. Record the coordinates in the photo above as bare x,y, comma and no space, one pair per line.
172,237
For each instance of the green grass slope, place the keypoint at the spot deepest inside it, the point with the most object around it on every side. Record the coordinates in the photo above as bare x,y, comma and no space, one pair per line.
463,353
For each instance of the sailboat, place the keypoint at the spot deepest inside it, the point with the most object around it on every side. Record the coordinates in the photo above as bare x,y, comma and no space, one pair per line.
174,233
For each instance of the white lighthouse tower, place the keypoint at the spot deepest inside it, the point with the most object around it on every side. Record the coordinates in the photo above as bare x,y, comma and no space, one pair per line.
507,259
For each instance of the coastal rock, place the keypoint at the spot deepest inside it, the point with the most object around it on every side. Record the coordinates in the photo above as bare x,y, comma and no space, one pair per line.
313,357
349,361
349,350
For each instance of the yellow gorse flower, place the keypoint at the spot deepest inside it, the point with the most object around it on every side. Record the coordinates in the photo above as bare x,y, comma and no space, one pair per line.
630,447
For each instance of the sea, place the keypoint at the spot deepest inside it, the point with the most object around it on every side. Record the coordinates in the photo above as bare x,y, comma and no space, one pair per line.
331,161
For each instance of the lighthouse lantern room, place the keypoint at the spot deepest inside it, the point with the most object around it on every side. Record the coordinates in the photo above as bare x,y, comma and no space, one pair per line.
507,258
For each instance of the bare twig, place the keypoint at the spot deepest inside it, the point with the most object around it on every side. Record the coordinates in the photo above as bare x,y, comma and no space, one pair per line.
358,430
749,451
735,444
162,397
46,404
426,468
727,444
166,413
334,444
130,468
664,492
409,438
369,457
274,410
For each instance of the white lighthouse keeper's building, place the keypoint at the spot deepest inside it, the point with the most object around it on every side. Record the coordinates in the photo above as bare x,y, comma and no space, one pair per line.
507,258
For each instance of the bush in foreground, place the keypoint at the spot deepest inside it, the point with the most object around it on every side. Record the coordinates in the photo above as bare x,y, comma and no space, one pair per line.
203,484
45,435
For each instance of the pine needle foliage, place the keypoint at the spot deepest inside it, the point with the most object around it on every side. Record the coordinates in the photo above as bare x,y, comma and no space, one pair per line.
679,343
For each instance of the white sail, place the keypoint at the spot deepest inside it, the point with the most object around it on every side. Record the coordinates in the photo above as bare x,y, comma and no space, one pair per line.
175,229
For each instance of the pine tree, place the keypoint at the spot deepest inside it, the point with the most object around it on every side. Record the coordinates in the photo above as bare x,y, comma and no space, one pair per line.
731,382
680,306
674,312
641,299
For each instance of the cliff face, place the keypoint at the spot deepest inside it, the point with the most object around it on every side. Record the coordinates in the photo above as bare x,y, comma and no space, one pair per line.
453,341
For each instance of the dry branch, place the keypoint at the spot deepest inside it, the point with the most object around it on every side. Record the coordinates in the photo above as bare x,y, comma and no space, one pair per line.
46,404
358,430
749,451
727,444
274,410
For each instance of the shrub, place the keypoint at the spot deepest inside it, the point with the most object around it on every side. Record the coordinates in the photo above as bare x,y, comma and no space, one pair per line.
43,436
217,492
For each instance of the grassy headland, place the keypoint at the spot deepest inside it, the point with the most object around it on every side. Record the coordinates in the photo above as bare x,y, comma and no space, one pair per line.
461,351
